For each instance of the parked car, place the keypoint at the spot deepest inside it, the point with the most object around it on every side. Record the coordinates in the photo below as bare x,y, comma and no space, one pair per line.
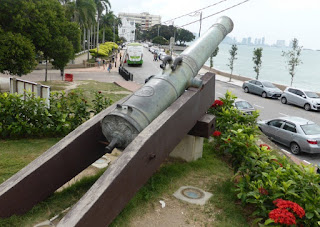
263,88
307,99
243,106
162,55
295,132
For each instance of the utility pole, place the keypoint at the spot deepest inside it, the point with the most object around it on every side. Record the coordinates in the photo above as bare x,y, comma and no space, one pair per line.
114,33
200,23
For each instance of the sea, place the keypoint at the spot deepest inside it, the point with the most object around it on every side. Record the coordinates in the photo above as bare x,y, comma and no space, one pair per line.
274,67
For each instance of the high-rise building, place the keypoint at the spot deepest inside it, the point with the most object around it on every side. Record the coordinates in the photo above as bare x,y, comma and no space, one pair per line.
281,43
249,41
262,42
127,30
244,41
145,19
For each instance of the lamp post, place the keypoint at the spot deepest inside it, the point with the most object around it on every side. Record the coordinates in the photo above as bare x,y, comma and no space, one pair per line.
86,41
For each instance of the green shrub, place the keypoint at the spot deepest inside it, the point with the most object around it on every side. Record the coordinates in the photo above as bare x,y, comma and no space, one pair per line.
32,117
262,178
104,49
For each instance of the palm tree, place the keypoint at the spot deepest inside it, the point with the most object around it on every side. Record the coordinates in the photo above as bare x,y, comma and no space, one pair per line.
82,12
101,6
108,20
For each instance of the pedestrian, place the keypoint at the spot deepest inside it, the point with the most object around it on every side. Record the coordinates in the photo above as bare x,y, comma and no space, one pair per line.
104,62
109,67
115,64
112,58
120,56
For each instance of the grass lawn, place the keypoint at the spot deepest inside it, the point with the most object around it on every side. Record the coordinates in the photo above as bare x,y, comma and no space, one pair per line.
211,170
90,87
16,154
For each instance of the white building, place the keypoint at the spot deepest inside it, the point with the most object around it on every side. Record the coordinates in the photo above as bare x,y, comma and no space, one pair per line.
127,30
145,19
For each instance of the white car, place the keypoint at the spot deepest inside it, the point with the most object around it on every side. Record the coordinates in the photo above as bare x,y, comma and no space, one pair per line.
162,55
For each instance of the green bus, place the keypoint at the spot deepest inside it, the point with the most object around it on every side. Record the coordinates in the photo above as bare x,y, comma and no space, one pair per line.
134,54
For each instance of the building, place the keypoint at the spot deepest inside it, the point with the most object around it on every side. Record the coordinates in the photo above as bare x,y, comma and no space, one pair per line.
127,30
281,43
145,19
244,41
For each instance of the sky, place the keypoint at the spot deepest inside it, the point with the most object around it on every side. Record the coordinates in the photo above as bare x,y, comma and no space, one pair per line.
272,19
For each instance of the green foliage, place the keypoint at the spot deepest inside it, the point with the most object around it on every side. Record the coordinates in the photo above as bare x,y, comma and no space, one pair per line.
104,49
233,53
257,55
100,102
17,55
42,23
262,177
184,35
160,40
293,58
214,54
61,52
32,118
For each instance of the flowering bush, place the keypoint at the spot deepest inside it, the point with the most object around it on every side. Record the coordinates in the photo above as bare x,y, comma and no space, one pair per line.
265,145
283,214
262,178
100,102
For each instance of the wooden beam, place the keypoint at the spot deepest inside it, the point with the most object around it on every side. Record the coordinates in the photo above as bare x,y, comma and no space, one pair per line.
113,190
55,167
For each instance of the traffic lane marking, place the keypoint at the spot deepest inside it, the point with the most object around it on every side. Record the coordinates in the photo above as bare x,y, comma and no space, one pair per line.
258,106
284,114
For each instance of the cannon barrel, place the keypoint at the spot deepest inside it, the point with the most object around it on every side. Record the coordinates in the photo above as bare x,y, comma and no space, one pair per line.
128,119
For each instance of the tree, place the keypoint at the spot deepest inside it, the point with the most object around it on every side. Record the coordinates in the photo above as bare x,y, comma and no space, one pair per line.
40,22
257,55
101,6
17,55
62,51
293,58
215,53
233,53
160,40
184,36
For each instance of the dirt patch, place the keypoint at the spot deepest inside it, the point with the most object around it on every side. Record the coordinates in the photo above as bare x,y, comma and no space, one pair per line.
175,213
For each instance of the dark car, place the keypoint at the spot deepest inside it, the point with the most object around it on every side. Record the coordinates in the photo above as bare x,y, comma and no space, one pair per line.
263,88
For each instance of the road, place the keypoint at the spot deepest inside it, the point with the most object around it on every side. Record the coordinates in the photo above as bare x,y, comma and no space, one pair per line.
148,68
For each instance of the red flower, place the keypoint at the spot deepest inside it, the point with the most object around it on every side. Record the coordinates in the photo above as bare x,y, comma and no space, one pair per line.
279,163
217,103
282,216
216,133
265,145
228,140
99,92
263,191
289,204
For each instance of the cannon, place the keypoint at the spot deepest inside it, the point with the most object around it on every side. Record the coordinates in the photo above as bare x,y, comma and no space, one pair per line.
162,110
123,124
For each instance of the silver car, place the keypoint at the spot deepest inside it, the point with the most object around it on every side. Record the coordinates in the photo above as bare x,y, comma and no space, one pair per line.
307,99
300,134
263,88
243,106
